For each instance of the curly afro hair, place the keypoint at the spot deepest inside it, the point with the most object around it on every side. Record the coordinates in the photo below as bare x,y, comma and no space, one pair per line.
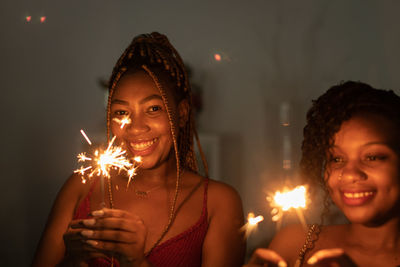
327,114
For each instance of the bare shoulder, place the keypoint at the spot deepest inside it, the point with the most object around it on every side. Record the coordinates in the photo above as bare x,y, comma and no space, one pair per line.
220,196
74,189
219,191
289,241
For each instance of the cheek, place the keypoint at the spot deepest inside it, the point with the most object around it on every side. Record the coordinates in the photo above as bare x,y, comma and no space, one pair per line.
115,129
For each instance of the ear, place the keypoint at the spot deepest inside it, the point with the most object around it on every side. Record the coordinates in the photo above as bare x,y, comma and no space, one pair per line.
183,112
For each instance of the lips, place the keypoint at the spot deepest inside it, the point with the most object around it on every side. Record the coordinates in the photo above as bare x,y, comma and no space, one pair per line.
143,147
357,198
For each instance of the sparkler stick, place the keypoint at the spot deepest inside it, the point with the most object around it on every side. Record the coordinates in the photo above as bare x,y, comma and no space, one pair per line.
287,200
114,157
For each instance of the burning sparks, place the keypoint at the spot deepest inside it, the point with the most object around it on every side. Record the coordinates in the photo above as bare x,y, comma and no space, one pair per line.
124,121
295,198
286,200
114,157
251,224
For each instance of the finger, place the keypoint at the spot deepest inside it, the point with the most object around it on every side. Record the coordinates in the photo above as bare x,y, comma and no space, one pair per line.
82,223
262,256
132,225
111,213
325,254
115,247
112,236
72,234
331,257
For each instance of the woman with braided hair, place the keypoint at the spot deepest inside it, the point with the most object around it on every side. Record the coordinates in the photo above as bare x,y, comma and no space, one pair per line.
351,147
169,215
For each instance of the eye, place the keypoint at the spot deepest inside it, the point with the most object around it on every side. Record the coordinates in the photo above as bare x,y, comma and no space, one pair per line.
121,112
337,159
375,157
154,109
336,162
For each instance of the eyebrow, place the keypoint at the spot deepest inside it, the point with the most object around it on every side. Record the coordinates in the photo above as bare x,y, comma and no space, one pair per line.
370,144
144,100
150,97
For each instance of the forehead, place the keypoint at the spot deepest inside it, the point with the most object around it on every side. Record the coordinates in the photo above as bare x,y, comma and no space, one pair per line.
136,84
366,128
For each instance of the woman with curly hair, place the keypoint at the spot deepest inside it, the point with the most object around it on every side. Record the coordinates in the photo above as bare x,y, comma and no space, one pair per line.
351,147
169,215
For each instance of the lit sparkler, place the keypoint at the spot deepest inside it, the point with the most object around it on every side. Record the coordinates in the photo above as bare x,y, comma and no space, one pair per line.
286,200
251,224
124,121
114,157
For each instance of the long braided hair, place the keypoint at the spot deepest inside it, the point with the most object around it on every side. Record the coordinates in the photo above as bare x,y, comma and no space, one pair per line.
154,54
325,118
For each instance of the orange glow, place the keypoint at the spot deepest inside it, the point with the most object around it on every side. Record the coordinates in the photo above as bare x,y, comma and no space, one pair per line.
217,57
114,157
251,224
42,19
288,199
28,18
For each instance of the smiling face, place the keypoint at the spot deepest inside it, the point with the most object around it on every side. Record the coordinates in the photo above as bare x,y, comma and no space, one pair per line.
363,169
148,133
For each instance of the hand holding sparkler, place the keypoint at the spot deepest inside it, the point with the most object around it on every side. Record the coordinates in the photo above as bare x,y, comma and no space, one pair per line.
125,242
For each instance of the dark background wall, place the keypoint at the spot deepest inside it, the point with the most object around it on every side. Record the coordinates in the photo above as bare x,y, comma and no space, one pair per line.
276,57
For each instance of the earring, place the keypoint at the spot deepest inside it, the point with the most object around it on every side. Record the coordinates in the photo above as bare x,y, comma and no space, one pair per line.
340,176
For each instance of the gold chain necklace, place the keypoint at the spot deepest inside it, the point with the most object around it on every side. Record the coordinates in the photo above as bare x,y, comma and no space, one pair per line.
144,193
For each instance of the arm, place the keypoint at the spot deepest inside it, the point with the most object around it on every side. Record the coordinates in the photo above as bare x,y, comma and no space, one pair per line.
283,249
262,256
224,244
51,248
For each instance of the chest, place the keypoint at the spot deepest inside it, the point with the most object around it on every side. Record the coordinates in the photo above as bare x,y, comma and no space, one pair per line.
155,209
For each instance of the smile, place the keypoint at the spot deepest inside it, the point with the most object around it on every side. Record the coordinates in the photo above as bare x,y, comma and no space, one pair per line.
141,146
357,198
358,195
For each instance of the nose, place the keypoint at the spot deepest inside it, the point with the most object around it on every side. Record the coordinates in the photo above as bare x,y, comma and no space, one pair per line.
138,125
352,173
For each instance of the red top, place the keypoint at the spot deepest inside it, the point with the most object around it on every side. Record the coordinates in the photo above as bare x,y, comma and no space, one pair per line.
182,250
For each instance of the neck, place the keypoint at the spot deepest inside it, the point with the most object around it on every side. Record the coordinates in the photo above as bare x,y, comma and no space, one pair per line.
385,236
162,174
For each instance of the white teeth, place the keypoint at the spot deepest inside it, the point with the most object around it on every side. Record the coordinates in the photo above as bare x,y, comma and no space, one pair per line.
142,145
358,195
